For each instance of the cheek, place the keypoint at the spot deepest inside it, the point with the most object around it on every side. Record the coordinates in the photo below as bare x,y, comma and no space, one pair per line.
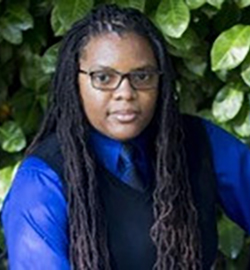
94,106
149,103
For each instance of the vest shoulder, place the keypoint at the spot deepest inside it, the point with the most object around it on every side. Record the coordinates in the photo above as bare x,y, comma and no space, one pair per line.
49,151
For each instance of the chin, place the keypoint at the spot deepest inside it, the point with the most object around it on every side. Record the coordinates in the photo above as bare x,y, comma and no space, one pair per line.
125,135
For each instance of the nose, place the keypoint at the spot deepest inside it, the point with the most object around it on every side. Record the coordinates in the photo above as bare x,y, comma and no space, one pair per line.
125,91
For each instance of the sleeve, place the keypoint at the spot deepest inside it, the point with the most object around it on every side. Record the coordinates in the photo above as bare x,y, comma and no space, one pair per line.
35,219
231,159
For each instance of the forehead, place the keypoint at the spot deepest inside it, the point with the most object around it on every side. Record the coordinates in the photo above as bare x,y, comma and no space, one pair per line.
120,52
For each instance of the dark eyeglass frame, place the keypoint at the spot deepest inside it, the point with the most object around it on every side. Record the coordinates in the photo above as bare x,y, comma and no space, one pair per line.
122,77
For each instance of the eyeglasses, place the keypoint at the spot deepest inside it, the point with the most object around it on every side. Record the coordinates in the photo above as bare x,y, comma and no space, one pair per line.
106,80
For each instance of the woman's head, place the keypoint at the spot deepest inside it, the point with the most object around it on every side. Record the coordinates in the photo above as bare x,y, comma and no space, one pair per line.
122,40
118,107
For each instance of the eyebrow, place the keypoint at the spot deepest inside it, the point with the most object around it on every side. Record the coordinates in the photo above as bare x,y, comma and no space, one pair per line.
148,67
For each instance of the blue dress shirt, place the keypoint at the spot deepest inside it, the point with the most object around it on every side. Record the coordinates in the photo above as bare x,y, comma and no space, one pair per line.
35,210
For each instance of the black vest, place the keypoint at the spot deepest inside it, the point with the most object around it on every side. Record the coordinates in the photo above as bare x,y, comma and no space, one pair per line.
129,213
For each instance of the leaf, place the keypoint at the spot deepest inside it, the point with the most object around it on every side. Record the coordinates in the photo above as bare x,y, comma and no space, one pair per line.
228,16
6,52
137,4
242,3
70,12
196,65
216,3
41,8
56,23
243,129
209,11
222,74
230,48
10,33
19,17
32,75
194,4
187,101
26,110
228,102
3,91
12,138
43,101
245,70
173,17
186,42
36,39
231,238
5,112
49,59
6,176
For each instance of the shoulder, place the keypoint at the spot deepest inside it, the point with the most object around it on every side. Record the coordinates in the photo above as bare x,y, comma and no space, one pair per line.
215,134
34,174
35,188
34,213
228,152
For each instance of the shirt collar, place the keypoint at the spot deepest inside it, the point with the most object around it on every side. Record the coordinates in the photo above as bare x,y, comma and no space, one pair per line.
107,150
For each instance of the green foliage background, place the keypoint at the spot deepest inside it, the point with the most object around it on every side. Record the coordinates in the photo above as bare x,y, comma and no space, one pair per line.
209,41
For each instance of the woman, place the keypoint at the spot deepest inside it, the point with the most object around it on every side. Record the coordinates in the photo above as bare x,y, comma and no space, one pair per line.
116,178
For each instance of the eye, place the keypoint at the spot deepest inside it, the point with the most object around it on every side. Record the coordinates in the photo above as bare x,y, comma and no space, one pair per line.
102,77
142,76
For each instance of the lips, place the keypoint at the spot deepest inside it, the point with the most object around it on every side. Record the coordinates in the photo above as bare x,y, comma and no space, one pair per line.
125,116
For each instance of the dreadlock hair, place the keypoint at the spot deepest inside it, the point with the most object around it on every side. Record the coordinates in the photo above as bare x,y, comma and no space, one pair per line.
175,231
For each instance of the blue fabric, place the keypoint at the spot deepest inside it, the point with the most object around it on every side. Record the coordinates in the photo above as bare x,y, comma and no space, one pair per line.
36,230
108,151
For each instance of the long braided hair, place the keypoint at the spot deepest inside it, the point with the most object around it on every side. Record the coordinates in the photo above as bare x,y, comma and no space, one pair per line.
175,231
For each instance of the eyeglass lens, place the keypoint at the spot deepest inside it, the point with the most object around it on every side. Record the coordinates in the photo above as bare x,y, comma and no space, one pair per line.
110,80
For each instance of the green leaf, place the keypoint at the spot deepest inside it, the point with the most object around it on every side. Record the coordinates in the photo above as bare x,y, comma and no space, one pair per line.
41,8
245,70
137,4
228,102
231,238
230,48
242,3
49,59
187,100
216,3
43,101
10,33
56,23
121,3
196,65
3,91
222,74
32,75
173,17
194,4
6,176
36,39
70,12
6,52
206,114
26,110
21,3
209,11
228,16
12,138
241,124
19,17
243,129
186,42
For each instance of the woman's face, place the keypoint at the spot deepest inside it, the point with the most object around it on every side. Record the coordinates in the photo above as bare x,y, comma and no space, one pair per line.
121,114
